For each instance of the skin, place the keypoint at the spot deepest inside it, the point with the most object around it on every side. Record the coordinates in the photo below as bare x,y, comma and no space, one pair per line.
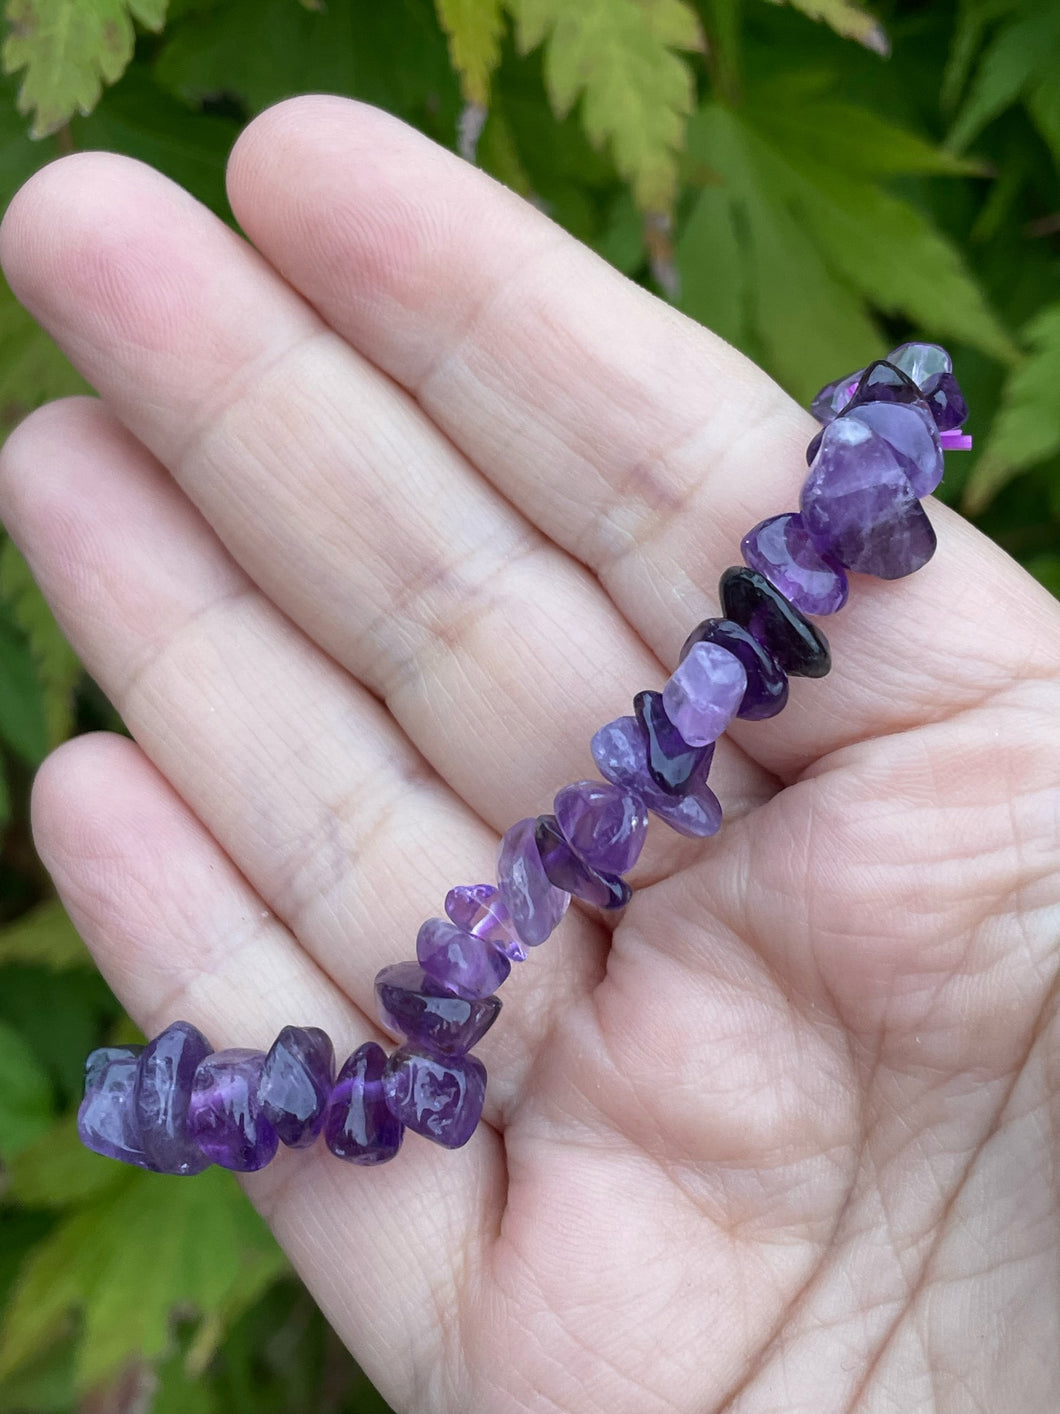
374,522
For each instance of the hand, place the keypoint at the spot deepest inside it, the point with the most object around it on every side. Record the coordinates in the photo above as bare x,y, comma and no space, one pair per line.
368,534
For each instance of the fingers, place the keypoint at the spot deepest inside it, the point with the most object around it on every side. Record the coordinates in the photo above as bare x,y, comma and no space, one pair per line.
180,933
330,487
635,439
297,772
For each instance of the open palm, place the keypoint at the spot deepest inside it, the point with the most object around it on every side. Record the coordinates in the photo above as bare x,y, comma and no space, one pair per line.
373,526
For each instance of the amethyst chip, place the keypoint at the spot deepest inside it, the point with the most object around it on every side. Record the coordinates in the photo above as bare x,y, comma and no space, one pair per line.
296,1084
413,1004
163,1092
438,1097
358,1124
225,1117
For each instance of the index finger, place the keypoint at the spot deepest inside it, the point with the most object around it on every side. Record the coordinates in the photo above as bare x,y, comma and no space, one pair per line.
642,443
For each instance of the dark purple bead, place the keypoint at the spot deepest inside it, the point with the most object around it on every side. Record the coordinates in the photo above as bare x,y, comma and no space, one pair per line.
767,682
620,750
605,825
569,872
534,905
749,599
883,383
163,1091
781,549
440,1098
920,361
858,505
416,1006
943,395
477,908
225,1117
107,1122
910,432
358,1124
296,1083
833,397
672,762
466,965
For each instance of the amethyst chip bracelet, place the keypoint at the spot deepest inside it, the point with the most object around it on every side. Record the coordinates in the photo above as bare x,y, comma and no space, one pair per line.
176,1105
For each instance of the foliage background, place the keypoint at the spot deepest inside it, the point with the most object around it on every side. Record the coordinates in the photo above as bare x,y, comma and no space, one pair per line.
813,182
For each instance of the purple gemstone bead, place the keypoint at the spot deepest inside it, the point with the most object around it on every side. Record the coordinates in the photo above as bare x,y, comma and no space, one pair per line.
477,908
920,361
163,1090
466,965
673,763
858,505
943,395
703,693
767,682
910,432
358,1125
883,383
620,750
107,1122
416,1006
833,397
440,1098
296,1083
569,872
748,598
534,905
781,549
604,825
225,1118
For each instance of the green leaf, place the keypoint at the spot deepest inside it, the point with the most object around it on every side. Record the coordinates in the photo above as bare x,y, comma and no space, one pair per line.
475,29
44,937
57,1171
1027,428
23,724
33,369
5,797
69,50
621,58
1046,570
56,663
26,1104
1024,53
131,1258
848,20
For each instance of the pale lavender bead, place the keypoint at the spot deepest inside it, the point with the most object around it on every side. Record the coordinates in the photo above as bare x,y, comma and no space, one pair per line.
477,908
164,1079
225,1117
533,903
621,754
781,549
921,361
467,965
910,432
439,1097
604,824
704,692
107,1121
858,505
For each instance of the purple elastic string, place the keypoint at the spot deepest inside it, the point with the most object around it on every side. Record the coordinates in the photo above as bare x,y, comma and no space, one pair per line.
955,441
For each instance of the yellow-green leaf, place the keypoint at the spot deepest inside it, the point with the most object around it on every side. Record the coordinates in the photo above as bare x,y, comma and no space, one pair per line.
44,937
622,59
57,1171
69,49
475,29
849,20
58,669
1027,428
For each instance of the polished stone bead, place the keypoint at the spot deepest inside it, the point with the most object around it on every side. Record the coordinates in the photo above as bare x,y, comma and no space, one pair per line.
703,693
767,682
833,397
534,905
107,1122
749,599
673,763
465,964
225,1117
620,750
781,549
910,432
605,825
858,505
920,361
415,1005
943,395
358,1124
163,1091
296,1083
477,908
883,383
438,1097
572,874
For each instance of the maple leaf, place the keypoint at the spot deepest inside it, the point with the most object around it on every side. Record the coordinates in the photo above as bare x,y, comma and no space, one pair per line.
475,29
